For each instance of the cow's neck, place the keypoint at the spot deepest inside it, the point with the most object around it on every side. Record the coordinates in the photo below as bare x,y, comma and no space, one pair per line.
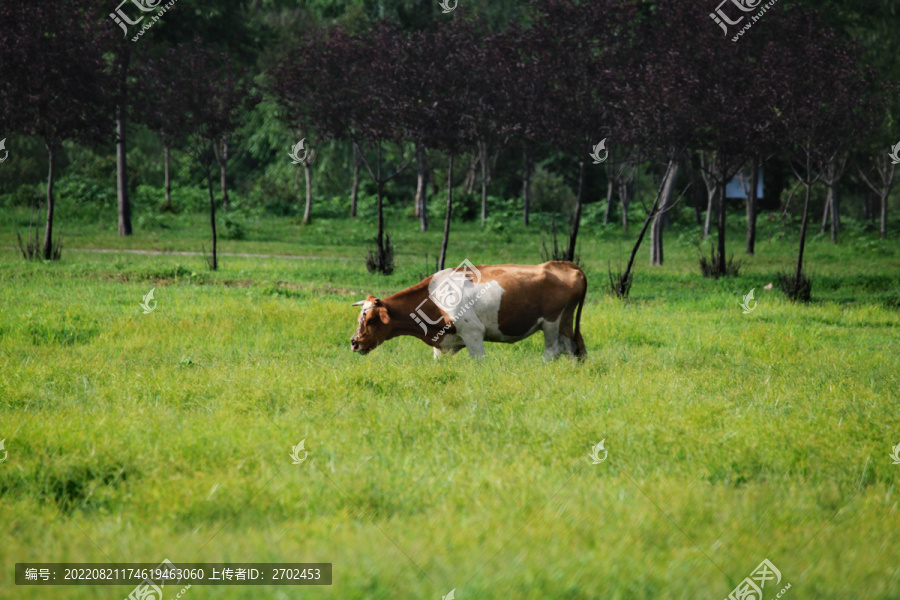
404,303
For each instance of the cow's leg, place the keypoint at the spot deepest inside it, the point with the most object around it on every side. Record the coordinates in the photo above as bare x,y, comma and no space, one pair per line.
551,340
474,343
438,352
566,333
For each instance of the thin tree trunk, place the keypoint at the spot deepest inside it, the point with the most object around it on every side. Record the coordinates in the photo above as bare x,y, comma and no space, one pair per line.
652,213
124,205
354,187
379,240
798,276
882,231
420,177
168,160
625,200
447,214
526,186
721,219
573,237
826,210
469,184
421,187
223,162
214,264
610,188
48,230
307,174
485,180
711,204
751,209
656,228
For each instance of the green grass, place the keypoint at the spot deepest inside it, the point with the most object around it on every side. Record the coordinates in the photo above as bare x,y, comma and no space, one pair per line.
732,438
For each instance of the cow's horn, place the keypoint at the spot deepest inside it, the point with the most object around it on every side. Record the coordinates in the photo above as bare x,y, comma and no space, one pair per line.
360,303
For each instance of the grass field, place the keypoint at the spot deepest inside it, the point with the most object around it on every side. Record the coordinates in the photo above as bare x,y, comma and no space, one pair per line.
731,437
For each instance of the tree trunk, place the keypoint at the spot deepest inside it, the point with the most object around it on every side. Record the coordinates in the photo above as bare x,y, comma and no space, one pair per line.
485,180
610,187
223,162
214,263
711,203
379,239
307,174
751,209
447,214
625,200
526,186
121,159
421,187
48,230
656,228
573,236
721,218
354,187
882,231
798,276
469,184
650,215
168,160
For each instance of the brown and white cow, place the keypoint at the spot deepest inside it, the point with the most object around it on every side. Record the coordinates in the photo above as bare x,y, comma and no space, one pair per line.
465,307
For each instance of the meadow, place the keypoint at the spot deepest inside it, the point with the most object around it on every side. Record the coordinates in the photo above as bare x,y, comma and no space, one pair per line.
731,437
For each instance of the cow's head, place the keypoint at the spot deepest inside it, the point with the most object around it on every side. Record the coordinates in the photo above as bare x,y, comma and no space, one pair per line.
374,325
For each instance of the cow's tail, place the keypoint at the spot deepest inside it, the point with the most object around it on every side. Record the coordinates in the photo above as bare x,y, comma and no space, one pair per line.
580,349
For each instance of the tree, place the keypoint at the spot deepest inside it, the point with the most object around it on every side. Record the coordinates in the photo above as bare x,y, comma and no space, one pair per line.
217,96
160,92
826,102
53,83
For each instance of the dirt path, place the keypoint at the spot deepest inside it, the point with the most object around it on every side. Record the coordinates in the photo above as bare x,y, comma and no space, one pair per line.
188,253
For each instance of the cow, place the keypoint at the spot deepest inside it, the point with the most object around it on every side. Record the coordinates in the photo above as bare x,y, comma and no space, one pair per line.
472,304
